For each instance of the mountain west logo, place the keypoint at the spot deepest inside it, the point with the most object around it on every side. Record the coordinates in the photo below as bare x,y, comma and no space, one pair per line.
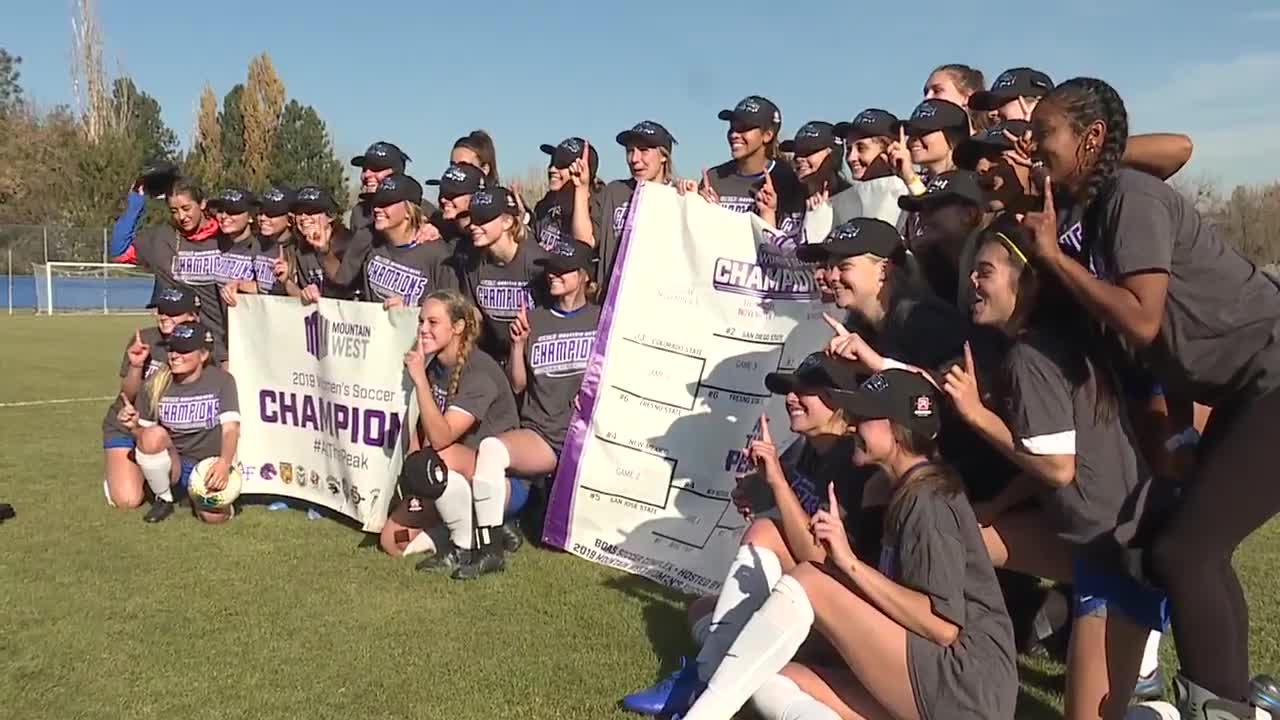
339,339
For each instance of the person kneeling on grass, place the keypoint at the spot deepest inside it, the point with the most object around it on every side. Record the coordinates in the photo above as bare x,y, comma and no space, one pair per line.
146,352
187,411
463,397
924,635
781,495
550,348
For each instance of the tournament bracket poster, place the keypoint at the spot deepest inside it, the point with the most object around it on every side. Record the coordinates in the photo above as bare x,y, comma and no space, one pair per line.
325,403
703,306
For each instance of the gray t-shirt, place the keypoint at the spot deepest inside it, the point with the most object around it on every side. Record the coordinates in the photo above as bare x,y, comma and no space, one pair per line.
936,550
178,261
1051,409
193,413
738,193
501,290
483,392
615,204
556,354
158,357
269,249
1222,317
409,272
553,220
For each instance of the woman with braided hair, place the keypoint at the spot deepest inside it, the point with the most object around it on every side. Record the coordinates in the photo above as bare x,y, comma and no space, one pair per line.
463,398
1206,321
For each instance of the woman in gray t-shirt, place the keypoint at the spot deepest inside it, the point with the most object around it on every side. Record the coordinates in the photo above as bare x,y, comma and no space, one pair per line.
462,397
1206,320
922,635
1057,415
186,412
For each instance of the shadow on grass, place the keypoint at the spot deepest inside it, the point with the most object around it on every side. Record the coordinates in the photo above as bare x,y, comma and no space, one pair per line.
665,618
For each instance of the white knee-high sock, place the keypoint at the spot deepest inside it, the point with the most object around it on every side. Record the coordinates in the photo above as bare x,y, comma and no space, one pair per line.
1151,656
765,646
489,484
455,508
781,699
156,468
752,575
701,630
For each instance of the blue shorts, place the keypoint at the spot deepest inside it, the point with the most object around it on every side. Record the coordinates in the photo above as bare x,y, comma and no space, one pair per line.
184,473
117,442
517,497
1096,591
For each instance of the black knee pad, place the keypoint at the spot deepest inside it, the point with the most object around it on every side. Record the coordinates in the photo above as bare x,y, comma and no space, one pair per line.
424,475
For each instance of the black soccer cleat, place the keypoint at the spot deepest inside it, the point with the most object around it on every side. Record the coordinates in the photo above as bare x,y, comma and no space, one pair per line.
445,562
159,512
6,512
512,540
483,563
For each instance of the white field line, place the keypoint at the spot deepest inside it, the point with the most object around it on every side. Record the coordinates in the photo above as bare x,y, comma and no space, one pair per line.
58,401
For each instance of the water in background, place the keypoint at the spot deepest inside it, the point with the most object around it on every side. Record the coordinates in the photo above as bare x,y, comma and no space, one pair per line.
80,293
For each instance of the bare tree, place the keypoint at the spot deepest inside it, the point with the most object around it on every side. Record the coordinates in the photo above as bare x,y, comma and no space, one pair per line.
261,106
204,163
92,91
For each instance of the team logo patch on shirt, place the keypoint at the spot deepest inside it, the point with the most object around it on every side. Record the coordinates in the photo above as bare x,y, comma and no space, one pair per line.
189,413
923,406
775,274
502,299
197,267
235,267
562,354
388,278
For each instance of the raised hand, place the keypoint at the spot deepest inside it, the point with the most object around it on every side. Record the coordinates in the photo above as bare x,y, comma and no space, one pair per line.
580,169
310,294
128,415
828,530
764,454
900,158
767,200
1043,225
520,326
415,361
961,385
394,301
280,268
708,192
818,199
138,351
1020,154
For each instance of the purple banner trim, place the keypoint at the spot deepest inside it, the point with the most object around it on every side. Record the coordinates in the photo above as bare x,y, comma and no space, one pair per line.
555,530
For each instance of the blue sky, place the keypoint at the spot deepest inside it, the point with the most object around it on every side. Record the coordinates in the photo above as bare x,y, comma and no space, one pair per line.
423,73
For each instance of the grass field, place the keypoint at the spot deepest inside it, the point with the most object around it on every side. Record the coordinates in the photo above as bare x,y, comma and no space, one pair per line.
275,616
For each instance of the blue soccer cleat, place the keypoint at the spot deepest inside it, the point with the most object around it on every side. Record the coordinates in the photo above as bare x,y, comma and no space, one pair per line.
672,695
1265,694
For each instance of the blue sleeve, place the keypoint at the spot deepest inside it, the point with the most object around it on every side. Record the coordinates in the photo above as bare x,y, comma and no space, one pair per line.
126,225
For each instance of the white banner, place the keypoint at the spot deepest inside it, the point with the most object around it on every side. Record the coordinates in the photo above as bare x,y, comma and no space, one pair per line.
324,400
705,308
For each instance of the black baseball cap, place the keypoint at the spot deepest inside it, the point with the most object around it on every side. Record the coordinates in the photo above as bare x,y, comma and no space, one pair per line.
858,236
956,186
276,201
648,134
872,122
490,204
754,111
189,337
581,256
570,149
932,115
900,396
988,143
395,188
175,300
234,201
458,180
812,137
423,474
313,199
382,155
818,371
1012,84
157,178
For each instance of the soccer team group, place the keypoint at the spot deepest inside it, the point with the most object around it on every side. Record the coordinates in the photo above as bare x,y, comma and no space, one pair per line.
1050,369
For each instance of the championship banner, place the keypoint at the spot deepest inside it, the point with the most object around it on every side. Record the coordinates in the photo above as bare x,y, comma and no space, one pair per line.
703,307
324,400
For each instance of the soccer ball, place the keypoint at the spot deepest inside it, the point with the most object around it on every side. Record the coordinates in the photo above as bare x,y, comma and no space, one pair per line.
212,500
1153,710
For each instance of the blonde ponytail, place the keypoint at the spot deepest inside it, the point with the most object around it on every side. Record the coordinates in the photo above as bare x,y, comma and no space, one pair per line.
157,385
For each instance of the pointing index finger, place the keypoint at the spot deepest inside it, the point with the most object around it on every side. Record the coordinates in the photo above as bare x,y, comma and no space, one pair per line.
836,327
765,435
1048,194
968,361
831,499
902,135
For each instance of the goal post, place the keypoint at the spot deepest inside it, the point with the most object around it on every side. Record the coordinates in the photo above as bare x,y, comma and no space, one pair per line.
68,287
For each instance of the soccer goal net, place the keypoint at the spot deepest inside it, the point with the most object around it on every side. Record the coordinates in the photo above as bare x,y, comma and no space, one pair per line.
64,287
